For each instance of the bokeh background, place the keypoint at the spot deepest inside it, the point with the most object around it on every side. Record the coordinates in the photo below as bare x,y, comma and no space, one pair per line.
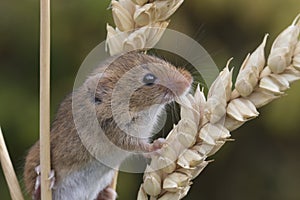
263,162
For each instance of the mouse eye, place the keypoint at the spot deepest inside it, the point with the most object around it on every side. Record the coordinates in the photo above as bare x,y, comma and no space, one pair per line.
97,100
149,79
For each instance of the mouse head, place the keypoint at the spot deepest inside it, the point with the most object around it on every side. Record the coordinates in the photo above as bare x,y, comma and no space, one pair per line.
135,82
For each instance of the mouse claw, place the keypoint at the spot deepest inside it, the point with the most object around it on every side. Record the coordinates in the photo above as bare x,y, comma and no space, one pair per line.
37,170
37,186
37,183
52,179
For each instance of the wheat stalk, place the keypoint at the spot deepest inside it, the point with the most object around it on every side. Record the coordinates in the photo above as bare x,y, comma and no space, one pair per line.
46,193
205,124
8,171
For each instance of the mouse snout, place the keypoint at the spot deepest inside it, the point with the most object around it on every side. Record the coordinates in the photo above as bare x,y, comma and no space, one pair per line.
180,83
183,83
187,77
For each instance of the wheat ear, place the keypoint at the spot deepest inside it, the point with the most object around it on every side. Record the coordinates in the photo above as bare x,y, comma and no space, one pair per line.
139,23
205,124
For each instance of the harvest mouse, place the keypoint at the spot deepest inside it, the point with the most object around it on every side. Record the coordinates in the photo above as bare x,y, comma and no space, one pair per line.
122,98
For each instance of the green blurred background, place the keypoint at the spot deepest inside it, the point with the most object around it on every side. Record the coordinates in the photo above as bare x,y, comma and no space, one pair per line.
263,162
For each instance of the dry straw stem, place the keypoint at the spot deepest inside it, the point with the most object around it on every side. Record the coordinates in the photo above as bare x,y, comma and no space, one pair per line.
115,180
206,123
139,23
8,170
46,193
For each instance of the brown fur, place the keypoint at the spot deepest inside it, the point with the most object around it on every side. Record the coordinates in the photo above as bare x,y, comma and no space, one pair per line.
67,151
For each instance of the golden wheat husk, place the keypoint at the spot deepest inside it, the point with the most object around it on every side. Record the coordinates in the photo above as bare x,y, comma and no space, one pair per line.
139,24
260,80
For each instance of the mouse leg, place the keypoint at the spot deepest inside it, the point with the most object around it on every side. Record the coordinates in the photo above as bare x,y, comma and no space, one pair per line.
37,187
107,194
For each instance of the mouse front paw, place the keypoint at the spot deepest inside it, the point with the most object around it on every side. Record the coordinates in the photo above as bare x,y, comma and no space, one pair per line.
157,144
107,194
37,187
154,148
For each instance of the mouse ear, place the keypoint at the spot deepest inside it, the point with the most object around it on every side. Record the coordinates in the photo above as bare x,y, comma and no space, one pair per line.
91,82
95,85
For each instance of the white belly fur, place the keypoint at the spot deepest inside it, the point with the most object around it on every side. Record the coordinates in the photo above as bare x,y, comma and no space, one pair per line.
84,184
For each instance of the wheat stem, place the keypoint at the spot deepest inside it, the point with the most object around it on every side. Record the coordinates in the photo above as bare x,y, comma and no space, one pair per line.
114,182
46,193
8,170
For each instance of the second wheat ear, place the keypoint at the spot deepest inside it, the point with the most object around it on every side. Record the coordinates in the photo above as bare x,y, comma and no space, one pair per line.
206,122
139,24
